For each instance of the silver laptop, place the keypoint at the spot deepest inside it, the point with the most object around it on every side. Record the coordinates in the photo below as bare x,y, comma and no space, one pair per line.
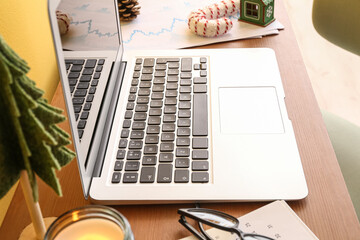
176,125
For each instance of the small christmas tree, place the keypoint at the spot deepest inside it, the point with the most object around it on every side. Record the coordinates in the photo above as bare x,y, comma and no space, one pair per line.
30,142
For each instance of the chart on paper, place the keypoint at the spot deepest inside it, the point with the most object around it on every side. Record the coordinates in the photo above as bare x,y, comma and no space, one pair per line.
162,24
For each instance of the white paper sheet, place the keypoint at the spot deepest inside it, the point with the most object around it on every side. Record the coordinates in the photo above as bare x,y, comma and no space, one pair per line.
162,24
276,220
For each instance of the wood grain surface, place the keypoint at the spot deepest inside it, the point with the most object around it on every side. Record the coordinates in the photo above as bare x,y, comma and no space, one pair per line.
327,211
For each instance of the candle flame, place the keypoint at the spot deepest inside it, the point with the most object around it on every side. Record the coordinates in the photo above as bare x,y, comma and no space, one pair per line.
75,216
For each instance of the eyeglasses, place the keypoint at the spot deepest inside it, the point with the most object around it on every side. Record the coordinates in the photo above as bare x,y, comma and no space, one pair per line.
216,219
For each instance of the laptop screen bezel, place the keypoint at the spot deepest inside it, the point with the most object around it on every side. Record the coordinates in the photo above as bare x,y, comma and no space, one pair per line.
86,172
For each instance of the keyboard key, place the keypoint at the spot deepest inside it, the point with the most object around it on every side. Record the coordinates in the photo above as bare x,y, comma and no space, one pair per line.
167,137
88,71
181,176
186,64
132,166
183,132
90,63
185,75
169,118
120,154
149,62
200,154
200,143
123,143
130,177
185,82
184,114
182,162
141,108
147,70
200,88
168,127
137,135
200,80
173,65
150,149
166,157
164,173
147,175
87,106
127,123
84,115
81,124
166,147
74,75
99,68
184,105
135,144
116,177
90,98
155,112
153,129
140,116
80,93
77,108
85,78
156,104
133,155
144,92
173,78
101,61
170,101
183,142
80,132
159,80
83,85
200,177
145,84
154,120
138,126
125,133
97,75
152,139
118,165
76,68
182,152
149,160
200,165
200,118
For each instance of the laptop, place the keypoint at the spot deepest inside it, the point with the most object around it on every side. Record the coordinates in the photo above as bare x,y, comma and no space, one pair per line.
169,126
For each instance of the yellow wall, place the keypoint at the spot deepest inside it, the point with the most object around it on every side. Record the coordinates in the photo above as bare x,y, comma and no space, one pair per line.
25,27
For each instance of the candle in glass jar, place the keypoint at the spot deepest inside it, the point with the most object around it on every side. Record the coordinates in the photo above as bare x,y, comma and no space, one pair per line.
91,229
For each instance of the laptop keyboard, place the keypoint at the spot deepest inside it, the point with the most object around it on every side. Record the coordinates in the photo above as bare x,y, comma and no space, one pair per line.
164,135
83,78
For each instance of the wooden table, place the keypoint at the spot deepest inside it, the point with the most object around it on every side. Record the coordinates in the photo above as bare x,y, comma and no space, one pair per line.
327,211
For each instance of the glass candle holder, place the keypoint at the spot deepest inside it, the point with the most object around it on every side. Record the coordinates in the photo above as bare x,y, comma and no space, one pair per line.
93,222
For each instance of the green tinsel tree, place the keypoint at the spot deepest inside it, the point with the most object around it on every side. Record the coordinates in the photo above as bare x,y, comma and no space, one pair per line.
29,137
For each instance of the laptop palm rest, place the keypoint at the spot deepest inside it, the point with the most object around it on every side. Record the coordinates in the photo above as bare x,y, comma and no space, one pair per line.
250,110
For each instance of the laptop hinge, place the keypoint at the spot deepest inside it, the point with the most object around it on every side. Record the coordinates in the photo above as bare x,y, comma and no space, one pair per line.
109,121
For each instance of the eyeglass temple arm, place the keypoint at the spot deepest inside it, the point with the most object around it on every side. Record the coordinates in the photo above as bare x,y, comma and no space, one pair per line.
191,229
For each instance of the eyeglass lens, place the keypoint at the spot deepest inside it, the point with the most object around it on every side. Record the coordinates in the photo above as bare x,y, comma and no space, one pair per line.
216,218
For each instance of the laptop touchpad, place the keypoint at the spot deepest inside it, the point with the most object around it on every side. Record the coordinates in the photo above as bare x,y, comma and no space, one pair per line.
250,110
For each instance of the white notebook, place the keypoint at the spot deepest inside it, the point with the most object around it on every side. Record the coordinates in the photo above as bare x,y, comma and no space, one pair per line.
276,220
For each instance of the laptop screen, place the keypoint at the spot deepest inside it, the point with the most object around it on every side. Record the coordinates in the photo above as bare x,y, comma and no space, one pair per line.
93,25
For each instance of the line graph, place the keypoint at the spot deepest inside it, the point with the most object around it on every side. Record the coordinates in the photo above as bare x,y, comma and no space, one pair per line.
93,31
148,34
